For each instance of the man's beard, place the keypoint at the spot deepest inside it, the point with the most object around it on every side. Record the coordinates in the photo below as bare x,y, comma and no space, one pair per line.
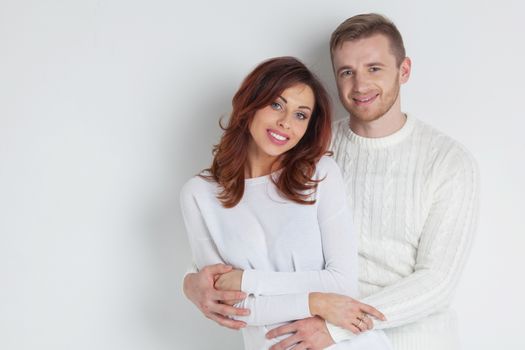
365,115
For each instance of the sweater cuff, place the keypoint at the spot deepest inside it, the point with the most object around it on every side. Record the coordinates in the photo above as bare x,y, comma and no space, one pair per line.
339,334
249,282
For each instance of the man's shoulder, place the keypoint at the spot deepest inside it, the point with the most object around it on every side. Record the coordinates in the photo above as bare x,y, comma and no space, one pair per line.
445,150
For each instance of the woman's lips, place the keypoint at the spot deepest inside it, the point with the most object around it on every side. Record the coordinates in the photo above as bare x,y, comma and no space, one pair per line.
276,137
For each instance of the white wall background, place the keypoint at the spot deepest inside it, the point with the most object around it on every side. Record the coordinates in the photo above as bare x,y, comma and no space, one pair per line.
107,107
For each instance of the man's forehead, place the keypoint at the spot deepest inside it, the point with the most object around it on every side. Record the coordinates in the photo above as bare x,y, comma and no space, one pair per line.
367,50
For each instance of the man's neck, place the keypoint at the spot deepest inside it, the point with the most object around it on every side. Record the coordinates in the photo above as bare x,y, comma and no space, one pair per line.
384,126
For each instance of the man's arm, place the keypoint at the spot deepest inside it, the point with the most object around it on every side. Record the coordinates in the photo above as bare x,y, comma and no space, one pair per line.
442,252
443,249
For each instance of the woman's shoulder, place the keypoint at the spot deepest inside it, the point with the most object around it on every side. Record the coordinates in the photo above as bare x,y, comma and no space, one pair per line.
196,185
327,165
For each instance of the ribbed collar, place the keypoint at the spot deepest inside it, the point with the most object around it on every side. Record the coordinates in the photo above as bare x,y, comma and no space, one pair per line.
263,179
382,142
252,181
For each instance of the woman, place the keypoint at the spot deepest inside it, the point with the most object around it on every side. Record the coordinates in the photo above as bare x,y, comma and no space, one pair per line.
272,203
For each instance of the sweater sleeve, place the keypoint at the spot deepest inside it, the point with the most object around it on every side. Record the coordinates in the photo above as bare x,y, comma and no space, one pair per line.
264,309
203,249
443,249
338,243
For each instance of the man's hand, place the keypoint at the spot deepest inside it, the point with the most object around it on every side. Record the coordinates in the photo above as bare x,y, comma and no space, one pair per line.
344,311
310,333
229,280
199,288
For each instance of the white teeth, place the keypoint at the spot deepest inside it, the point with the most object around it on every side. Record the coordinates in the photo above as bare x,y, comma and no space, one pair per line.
278,137
365,100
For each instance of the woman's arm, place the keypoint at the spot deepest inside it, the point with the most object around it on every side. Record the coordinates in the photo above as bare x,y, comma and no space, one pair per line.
264,310
340,273
339,245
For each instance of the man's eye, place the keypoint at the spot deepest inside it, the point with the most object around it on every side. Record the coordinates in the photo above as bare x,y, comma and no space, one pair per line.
346,73
374,69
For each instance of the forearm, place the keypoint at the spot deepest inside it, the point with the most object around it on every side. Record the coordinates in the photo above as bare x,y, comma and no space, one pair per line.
276,283
339,274
274,309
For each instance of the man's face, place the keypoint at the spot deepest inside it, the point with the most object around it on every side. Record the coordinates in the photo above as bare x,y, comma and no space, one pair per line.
368,77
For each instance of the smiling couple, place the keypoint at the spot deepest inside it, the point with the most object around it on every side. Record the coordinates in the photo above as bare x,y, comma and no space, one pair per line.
274,223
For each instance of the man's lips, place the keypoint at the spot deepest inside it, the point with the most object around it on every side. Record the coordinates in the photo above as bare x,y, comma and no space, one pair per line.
277,137
364,100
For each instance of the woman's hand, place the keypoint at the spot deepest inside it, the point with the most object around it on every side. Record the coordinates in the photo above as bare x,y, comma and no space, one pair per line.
344,311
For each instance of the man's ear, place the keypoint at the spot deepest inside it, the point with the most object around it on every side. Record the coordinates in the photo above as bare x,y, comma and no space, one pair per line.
404,70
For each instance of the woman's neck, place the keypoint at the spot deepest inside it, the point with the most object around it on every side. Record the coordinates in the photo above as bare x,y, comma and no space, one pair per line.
259,164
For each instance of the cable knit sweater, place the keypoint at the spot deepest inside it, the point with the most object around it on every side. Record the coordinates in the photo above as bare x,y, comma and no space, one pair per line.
414,199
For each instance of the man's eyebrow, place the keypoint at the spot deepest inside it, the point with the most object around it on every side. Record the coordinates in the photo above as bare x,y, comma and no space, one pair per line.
375,64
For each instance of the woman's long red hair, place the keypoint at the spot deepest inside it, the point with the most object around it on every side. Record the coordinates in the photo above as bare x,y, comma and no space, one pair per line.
258,90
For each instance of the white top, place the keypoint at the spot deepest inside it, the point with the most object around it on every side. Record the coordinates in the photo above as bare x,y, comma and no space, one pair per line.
414,199
313,246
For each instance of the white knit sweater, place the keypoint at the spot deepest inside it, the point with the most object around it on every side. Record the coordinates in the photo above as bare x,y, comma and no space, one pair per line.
414,198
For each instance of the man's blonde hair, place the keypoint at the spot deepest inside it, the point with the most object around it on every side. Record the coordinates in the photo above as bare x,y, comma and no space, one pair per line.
364,26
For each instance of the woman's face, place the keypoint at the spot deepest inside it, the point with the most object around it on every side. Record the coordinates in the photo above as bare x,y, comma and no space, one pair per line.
277,128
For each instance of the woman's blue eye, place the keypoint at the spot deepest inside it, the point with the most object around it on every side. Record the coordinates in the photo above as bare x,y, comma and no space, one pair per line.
301,116
276,106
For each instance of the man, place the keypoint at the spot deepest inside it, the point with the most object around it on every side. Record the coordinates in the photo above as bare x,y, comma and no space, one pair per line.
414,195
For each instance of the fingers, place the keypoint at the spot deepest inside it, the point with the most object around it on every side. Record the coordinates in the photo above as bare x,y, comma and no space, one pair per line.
227,310
303,346
231,302
227,322
229,295
217,269
286,329
352,328
360,325
367,322
373,312
286,343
